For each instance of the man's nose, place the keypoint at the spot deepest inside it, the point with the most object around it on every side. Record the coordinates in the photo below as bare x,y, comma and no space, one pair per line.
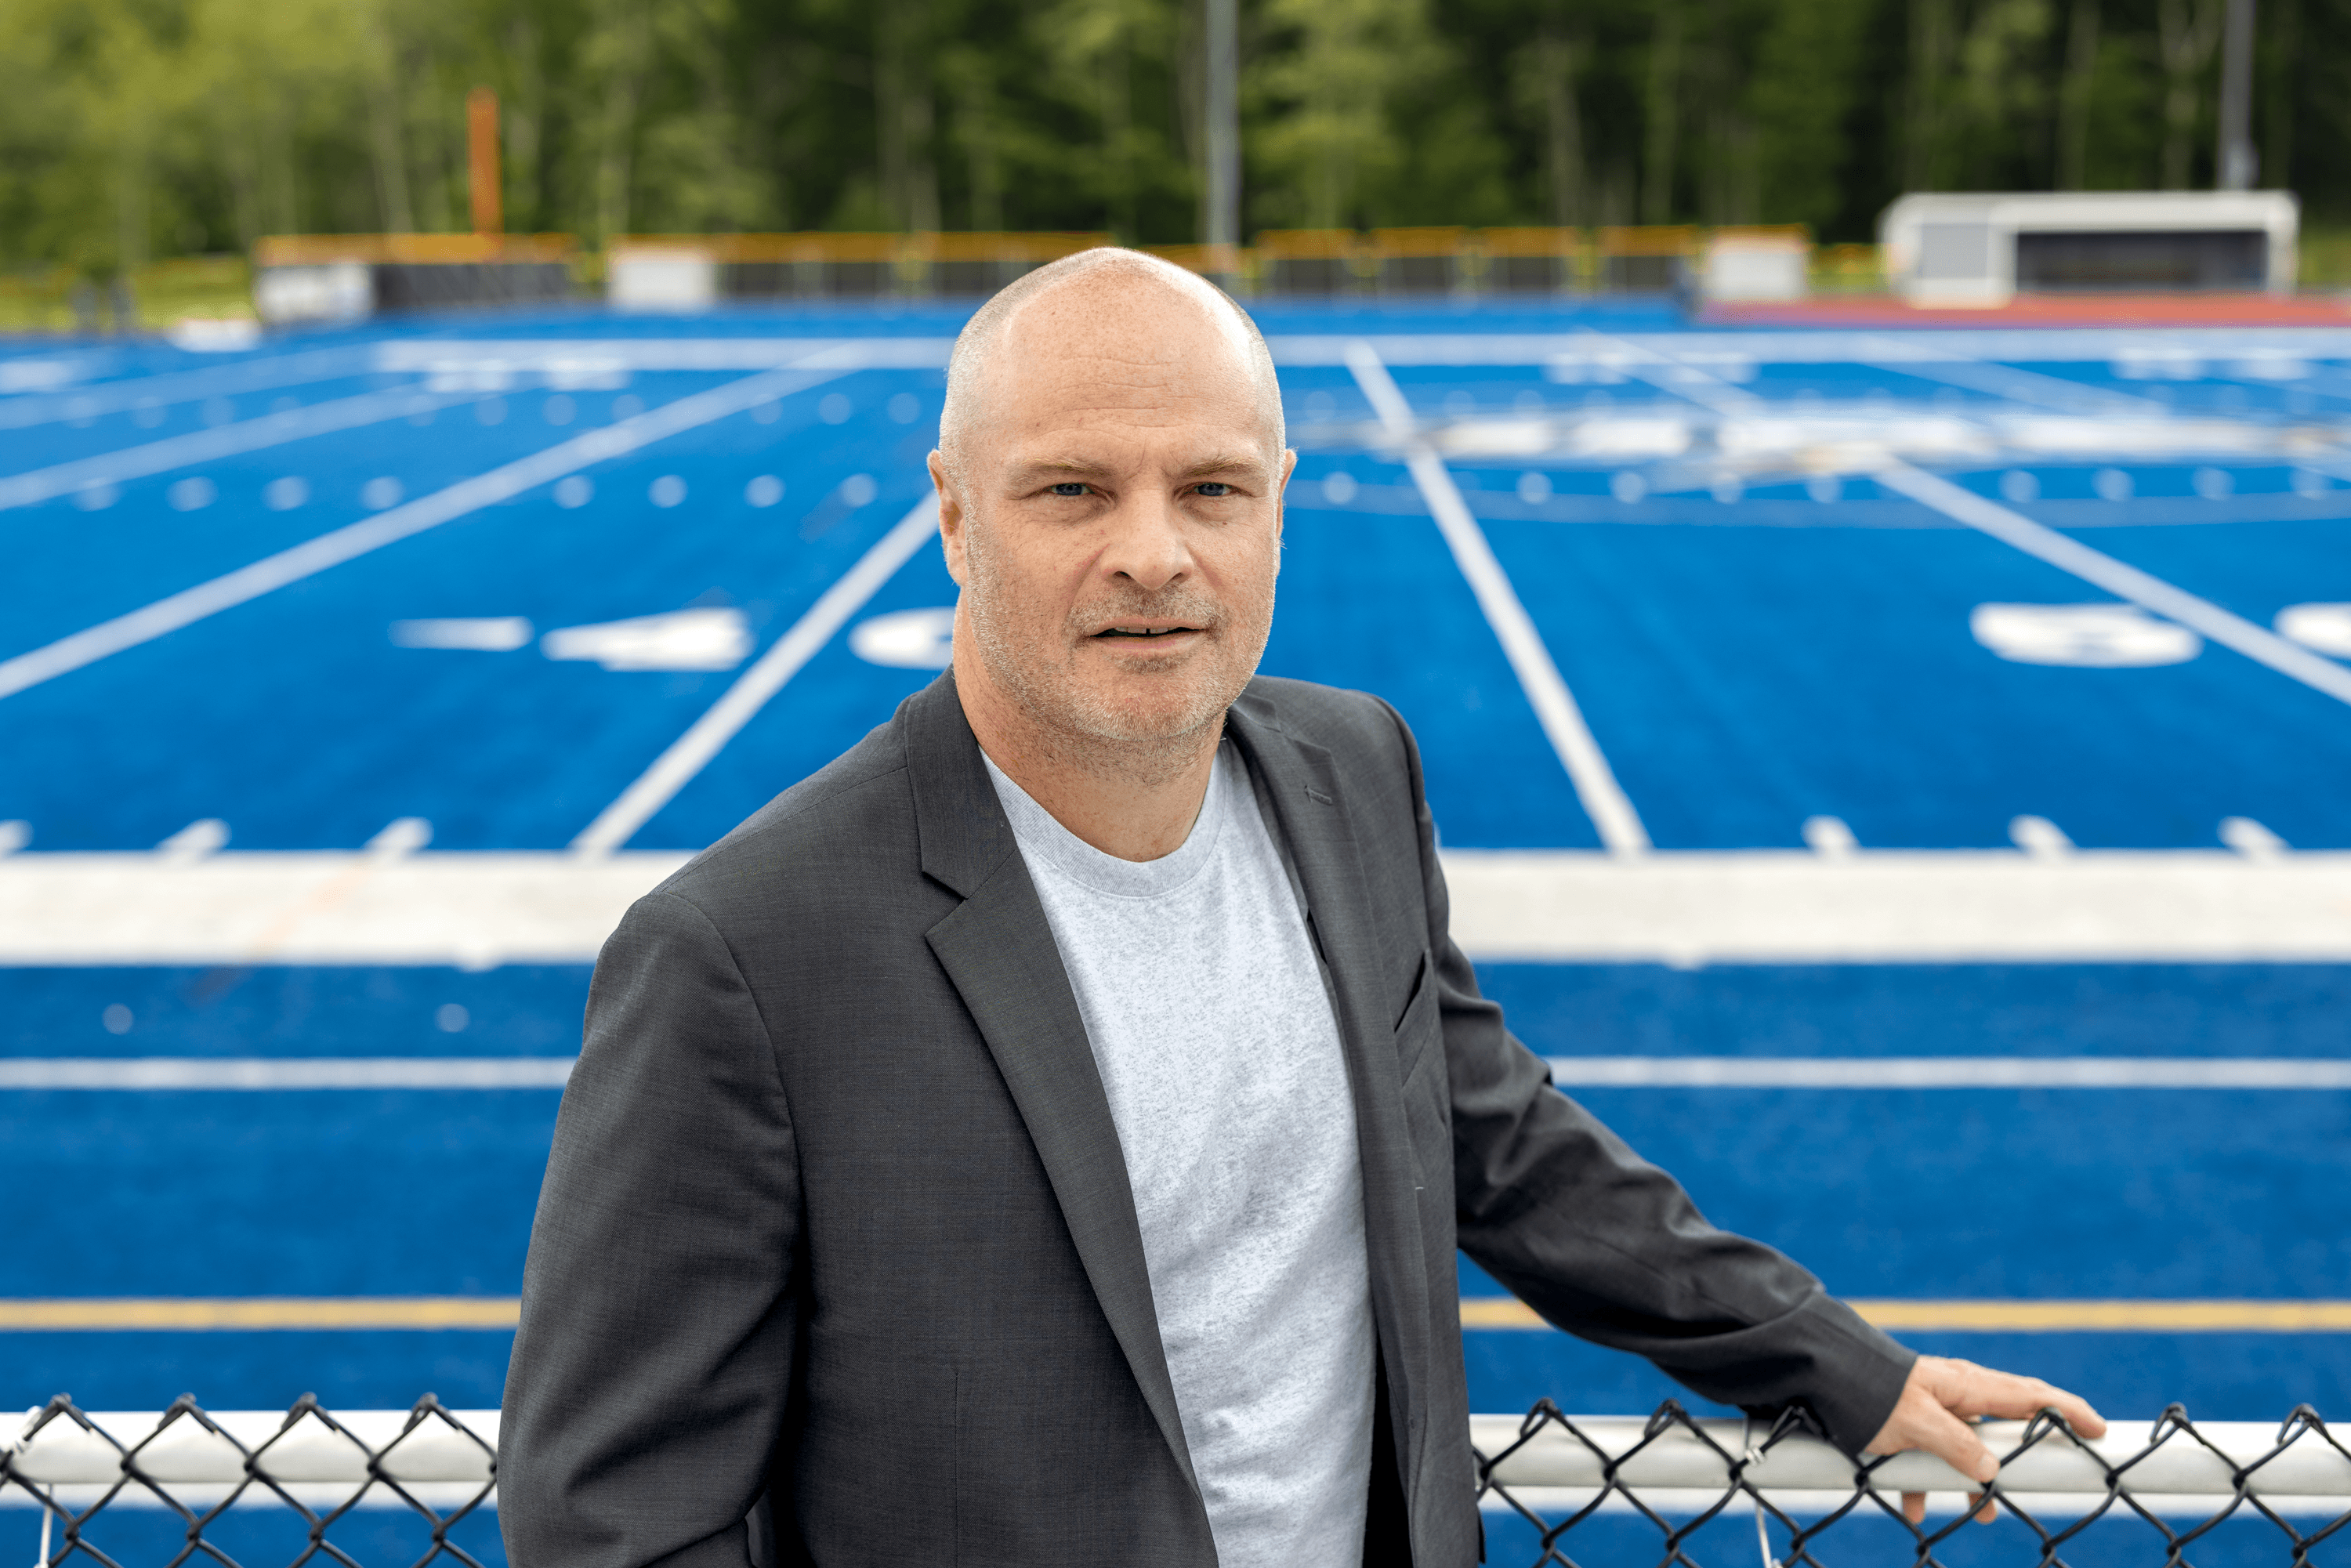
1147,544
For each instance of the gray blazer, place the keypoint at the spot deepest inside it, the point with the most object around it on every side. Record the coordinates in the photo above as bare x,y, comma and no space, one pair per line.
836,1260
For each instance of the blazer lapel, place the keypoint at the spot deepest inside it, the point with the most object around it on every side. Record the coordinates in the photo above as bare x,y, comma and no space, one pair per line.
1312,827
1000,953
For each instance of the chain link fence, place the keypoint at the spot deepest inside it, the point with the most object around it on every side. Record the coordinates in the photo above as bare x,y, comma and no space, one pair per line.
125,1489
2154,1493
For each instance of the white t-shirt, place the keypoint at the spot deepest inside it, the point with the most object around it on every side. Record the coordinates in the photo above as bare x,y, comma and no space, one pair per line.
1217,1045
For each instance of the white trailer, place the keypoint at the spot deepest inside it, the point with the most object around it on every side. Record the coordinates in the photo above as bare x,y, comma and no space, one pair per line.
1983,249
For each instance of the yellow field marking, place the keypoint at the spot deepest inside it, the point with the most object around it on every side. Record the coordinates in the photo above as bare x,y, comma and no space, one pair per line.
67,1313
2031,1317
132,1312
2061,1317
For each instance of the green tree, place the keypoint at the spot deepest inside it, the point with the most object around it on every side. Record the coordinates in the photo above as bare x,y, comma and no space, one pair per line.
1805,81
131,129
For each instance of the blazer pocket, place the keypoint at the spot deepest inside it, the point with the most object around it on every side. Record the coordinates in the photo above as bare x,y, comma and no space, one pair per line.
1427,1091
1418,1025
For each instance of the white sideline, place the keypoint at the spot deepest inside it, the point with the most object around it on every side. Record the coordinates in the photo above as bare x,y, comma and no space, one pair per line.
1942,1072
1603,800
478,909
740,703
1817,346
1964,906
1740,348
257,1073
467,496
187,1456
473,911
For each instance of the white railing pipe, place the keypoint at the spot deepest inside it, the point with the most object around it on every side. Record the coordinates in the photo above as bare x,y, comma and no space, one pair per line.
63,1453
2058,1463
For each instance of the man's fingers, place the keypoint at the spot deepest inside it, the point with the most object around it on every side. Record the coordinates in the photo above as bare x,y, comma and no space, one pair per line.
1929,1417
1986,1393
2078,1415
1914,1507
1955,1443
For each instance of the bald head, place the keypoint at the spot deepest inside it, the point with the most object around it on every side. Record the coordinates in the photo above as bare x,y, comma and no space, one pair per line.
1109,473
1132,319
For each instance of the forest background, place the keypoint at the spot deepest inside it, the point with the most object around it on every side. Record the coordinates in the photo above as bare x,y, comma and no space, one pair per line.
133,130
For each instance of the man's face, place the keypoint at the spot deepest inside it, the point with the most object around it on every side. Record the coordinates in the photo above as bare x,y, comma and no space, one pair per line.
1116,527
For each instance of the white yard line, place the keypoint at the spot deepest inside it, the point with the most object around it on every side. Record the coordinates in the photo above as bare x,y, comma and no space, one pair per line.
1562,722
692,752
1676,376
182,386
467,496
566,355
2022,386
2104,571
1947,1072
40,485
258,1073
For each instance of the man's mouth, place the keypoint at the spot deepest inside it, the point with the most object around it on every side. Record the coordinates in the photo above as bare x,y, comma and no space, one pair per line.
1143,633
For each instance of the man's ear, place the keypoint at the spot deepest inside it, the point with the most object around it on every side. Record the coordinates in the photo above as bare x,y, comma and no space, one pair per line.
952,538
1281,492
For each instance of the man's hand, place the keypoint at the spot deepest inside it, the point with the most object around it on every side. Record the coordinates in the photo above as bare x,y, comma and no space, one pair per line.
1935,1408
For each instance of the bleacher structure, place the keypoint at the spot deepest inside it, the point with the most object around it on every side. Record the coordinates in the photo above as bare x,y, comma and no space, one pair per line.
347,276
1937,250
689,271
695,271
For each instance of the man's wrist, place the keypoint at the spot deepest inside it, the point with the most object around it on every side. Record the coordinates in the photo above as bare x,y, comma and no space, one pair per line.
1870,1368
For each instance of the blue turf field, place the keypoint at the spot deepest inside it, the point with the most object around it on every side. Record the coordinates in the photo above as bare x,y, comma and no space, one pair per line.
1745,660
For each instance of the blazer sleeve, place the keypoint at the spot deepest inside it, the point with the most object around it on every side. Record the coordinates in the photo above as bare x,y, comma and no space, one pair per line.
646,1394
1610,1248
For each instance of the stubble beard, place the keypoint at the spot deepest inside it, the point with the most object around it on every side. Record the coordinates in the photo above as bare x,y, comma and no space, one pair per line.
1081,723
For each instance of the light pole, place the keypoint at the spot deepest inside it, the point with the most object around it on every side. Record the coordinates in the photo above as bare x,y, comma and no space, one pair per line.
1221,194
2234,162
482,166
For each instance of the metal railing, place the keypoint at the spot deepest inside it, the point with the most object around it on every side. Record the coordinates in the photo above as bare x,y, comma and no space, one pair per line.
436,1464
2180,1479
2177,1480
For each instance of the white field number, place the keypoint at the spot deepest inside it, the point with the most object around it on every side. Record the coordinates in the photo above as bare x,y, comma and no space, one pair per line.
2092,636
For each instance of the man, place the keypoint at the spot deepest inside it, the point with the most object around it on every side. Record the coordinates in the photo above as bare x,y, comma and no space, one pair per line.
1043,1136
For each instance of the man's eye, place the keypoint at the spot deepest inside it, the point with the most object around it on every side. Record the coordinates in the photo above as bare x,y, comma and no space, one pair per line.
1068,488
1215,487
